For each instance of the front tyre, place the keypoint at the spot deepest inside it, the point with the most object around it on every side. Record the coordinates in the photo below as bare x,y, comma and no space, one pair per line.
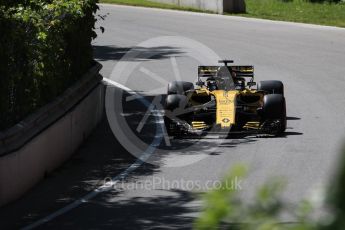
274,113
179,87
174,104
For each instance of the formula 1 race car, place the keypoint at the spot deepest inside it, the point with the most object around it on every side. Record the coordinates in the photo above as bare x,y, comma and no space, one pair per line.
225,100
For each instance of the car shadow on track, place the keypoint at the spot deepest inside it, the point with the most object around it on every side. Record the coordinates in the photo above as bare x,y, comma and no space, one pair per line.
293,118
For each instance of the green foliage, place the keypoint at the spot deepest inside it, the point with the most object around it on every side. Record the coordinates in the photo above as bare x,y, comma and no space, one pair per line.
45,46
222,203
336,198
321,1
225,209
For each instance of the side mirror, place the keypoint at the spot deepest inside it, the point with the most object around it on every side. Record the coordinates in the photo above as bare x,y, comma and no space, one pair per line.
251,84
199,83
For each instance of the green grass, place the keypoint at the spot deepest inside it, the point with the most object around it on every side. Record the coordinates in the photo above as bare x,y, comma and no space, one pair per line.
294,11
298,11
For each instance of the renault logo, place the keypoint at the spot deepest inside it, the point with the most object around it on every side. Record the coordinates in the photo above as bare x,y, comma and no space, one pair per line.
226,120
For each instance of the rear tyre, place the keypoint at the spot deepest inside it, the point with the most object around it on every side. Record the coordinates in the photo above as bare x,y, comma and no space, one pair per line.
271,87
274,112
179,87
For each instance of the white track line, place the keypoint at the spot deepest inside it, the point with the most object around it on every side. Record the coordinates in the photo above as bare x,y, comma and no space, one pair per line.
103,188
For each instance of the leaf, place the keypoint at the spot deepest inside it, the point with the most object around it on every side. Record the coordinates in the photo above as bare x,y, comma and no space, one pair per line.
42,36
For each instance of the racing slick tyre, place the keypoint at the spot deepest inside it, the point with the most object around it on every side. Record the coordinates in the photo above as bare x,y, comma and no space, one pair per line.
272,87
179,87
175,101
274,112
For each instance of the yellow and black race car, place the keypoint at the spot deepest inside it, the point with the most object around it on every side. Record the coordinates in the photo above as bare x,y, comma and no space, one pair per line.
225,99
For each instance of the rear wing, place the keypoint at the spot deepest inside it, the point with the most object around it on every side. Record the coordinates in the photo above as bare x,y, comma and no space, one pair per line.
243,71
239,71
207,71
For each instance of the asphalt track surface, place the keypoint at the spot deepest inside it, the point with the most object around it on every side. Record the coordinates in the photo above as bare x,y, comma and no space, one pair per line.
310,60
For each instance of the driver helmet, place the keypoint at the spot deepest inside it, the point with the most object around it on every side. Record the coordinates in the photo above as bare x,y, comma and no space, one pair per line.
212,85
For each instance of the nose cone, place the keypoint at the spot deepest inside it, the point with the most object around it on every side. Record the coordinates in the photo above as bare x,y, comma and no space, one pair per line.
226,107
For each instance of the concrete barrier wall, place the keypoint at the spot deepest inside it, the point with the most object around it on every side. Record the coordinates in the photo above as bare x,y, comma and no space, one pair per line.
217,6
21,169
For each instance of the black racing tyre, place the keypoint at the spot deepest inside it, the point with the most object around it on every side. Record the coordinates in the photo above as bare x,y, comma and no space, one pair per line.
274,108
271,87
179,87
175,101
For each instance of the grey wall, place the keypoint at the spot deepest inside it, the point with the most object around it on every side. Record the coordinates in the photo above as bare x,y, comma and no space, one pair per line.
22,168
217,6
